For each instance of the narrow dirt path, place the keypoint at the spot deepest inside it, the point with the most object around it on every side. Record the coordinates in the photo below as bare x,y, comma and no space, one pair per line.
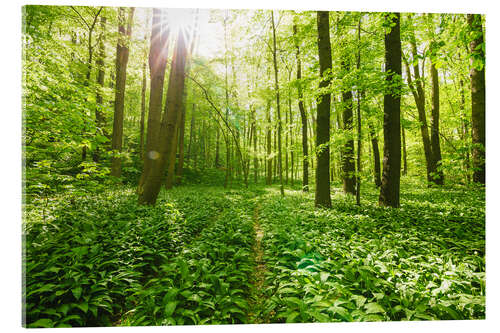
257,297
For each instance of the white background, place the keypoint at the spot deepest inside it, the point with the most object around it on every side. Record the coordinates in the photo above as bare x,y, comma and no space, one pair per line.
10,157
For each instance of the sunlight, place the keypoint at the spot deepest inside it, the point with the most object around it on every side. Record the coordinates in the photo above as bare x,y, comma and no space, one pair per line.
180,19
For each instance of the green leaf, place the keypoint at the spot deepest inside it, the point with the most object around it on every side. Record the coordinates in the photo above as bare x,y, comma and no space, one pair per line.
360,300
170,308
319,316
83,306
291,317
46,323
77,292
374,308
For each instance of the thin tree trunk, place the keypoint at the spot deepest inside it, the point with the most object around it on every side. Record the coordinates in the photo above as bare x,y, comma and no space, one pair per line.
389,190
191,133
419,96
290,131
465,132
143,109
180,166
436,147
269,169
322,195
217,148
278,113
99,115
122,52
358,95
403,138
255,158
303,116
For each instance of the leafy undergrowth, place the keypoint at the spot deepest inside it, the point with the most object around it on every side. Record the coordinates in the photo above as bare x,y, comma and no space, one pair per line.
101,259
89,258
424,261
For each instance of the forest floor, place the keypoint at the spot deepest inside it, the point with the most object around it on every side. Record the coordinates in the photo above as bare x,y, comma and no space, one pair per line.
205,254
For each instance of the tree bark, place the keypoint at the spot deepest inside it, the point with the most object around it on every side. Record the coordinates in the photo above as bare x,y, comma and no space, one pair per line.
303,116
322,194
403,139
122,52
465,132
435,144
143,110
389,189
168,129
376,156
269,169
99,115
158,54
180,167
477,84
358,117
348,166
255,158
419,96
278,112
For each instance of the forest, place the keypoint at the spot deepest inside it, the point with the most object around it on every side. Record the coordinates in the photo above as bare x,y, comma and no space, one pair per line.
196,166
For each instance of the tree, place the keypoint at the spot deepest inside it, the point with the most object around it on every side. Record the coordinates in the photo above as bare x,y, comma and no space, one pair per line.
90,25
438,178
122,52
477,85
417,89
278,113
389,189
347,151
322,194
359,94
303,115
143,105
157,60
99,115
168,130
376,155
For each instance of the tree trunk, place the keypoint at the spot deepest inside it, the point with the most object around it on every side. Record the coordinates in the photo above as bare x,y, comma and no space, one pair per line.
143,109
278,114
348,167
419,96
436,147
322,194
180,166
255,158
358,95
477,85
122,52
403,138
303,116
191,133
290,130
376,156
99,115
217,148
465,132
168,129
268,146
157,64
389,190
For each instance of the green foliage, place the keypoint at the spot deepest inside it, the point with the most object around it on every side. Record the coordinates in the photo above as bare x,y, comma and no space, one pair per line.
423,261
91,255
